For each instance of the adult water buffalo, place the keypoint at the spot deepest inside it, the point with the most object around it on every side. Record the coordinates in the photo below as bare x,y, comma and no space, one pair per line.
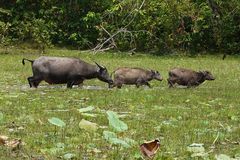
134,76
60,70
187,77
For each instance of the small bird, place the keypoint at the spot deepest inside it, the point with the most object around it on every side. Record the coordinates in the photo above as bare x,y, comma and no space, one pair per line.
224,56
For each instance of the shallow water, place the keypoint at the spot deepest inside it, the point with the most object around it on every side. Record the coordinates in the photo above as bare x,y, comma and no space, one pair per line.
26,87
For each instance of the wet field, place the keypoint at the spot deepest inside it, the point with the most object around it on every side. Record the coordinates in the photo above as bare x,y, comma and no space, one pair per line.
207,114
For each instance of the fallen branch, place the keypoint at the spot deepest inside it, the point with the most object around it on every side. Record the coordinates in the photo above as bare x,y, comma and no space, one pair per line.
100,45
112,44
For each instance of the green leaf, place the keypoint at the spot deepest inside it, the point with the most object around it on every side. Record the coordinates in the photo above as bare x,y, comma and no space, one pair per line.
108,135
88,126
129,141
60,145
69,156
197,150
87,109
115,122
5,11
119,142
57,122
89,115
112,138
52,151
222,157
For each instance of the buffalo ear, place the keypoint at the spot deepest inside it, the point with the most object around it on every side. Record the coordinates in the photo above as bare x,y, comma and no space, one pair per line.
153,73
203,72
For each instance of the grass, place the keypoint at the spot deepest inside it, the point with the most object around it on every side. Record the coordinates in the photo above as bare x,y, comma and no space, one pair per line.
178,117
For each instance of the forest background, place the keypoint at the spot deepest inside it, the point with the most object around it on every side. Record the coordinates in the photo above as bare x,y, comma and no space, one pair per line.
149,26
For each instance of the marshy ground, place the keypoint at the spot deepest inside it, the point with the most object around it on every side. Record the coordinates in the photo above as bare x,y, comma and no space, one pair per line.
208,114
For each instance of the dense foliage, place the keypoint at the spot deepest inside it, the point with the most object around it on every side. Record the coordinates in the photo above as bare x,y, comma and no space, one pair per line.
142,25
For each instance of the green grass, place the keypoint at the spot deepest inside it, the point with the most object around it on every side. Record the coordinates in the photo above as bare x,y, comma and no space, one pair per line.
178,117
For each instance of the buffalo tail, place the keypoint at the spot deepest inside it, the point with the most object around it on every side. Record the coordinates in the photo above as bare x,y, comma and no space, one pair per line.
27,60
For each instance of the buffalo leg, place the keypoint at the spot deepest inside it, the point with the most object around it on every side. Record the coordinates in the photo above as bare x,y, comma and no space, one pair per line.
30,81
119,86
34,81
70,84
74,80
79,83
138,85
146,83
111,85
140,82
192,85
117,83
170,83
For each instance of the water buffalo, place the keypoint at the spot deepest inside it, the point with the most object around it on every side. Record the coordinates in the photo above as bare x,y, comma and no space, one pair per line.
131,76
60,70
187,77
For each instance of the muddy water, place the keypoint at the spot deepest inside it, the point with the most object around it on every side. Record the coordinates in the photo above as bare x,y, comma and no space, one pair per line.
26,87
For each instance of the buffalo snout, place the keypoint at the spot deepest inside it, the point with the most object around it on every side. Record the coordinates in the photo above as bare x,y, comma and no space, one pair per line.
110,82
209,76
157,76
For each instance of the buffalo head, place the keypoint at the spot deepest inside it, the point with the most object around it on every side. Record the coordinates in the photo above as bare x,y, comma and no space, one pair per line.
103,74
207,75
156,75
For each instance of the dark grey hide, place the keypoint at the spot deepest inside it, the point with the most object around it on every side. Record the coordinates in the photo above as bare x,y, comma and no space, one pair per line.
60,70
134,76
187,77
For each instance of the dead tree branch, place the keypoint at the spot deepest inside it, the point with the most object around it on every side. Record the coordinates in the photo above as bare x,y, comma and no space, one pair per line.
109,43
101,45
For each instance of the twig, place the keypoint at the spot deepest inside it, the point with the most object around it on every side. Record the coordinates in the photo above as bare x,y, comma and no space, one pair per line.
135,14
114,44
99,46
215,139
105,49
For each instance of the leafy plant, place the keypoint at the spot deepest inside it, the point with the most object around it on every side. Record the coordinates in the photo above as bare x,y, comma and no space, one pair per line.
68,156
115,122
88,126
58,123
157,26
87,109
118,126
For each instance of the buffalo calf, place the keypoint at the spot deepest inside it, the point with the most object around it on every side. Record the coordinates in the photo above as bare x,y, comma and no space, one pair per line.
187,77
134,76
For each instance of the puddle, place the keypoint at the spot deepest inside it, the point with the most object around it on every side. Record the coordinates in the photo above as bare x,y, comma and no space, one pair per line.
41,87
94,87
26,87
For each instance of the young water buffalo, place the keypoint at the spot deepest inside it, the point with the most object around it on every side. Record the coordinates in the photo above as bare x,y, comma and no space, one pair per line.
60,70
131,76
188,77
